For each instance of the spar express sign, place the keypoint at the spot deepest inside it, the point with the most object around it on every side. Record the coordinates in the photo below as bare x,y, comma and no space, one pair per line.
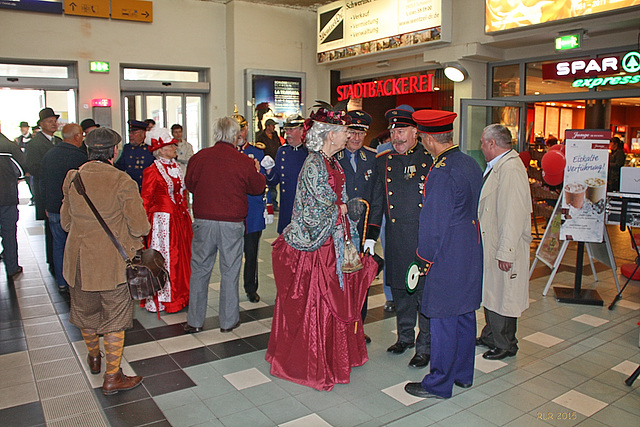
388,87
595,72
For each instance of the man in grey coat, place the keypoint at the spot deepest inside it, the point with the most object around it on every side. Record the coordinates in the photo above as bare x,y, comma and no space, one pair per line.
504,211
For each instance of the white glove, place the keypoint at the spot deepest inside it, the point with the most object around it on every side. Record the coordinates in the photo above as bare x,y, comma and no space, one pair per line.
369,245
268,218
267,162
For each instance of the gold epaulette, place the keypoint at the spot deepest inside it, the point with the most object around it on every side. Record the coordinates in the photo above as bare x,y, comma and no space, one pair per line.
383,153
260,145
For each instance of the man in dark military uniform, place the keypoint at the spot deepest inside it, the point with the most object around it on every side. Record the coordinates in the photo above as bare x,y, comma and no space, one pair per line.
449,256
397,194
358,163
289,160
135,155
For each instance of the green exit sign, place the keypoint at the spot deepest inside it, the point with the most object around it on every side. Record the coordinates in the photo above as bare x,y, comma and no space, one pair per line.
99,67
571,41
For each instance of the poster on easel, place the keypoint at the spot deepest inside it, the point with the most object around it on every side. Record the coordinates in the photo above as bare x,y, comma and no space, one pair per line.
585,185
549,247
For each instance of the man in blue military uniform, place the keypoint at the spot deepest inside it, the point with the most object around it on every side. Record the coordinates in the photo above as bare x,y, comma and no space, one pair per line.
135,155
449,256
397,194
255,221
358,163
289,160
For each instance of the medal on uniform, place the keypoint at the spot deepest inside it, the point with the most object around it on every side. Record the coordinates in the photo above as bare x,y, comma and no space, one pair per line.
413,276
409,171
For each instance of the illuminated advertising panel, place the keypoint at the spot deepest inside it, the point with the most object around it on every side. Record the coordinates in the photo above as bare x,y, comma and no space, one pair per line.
509,14
348,28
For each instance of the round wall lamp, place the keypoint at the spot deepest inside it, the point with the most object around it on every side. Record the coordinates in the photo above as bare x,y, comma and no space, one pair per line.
455,72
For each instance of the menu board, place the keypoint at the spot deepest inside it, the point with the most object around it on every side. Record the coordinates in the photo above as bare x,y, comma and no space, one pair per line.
355,27
508,14
585,185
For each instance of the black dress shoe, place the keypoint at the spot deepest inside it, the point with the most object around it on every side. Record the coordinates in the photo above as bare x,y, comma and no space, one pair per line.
481,343
420,360
389,307
253,297
367,338
498,354
416,389
15,274
400,347
462,385
223,330
188,329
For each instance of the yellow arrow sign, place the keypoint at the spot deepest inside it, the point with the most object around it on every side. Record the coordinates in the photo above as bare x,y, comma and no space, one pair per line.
93,8
132,10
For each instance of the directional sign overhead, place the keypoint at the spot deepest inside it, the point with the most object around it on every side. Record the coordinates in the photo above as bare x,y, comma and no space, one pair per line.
132,10
93,8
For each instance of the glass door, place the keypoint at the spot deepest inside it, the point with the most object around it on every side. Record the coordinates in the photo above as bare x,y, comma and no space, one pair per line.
476,114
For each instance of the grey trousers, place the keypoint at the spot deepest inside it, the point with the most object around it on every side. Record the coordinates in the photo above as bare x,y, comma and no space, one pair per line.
500,331
209,237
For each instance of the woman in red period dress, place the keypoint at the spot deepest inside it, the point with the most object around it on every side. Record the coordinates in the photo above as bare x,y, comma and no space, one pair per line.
164,197
316,335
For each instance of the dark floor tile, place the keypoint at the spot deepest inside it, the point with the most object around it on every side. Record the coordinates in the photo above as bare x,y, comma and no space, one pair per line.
211,323
10,313
133,337
61,307
121,398
167,382
154,365
59,297
13,346
29,414
10,324
72,330
245,317
137,326
134,414
259,342
163,423
11,334
166,331
378,313
261,313
193,357
231,348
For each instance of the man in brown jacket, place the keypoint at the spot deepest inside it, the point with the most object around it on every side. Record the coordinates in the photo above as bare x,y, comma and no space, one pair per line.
95,271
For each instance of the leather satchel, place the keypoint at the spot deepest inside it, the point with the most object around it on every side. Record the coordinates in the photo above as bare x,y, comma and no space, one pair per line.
145,273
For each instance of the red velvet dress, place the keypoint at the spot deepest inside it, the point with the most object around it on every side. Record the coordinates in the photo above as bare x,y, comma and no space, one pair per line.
316,334
163,195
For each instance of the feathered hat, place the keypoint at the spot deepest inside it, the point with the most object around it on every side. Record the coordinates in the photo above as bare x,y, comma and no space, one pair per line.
159,137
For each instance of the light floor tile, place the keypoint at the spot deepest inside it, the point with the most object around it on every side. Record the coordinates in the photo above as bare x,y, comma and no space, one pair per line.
627,367
250,329
179,343
543,339
12,360
312,420
579,402
397,392
213,337
143,351
175,318
247,378
628,304
18,395
590,320
215,286
18,375
486,366
248,305
377,300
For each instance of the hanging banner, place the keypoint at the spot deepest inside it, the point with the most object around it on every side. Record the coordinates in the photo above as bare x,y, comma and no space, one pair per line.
585,185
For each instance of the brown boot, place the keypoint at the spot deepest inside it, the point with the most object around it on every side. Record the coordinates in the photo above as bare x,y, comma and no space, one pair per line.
94,363
114,383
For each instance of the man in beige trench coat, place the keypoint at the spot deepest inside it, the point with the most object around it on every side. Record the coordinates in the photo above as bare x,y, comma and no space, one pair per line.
504,211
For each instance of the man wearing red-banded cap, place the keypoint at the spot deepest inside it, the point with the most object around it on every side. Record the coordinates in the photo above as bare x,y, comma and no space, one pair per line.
449,256
397,195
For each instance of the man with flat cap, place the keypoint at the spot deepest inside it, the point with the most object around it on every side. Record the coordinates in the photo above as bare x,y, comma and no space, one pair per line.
397,195
358,163
449,256
135,155
289,160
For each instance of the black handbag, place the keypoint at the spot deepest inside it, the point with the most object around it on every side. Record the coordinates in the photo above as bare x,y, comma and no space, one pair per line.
146,274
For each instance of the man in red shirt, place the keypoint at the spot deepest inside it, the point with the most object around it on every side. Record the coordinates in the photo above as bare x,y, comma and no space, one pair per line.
220,178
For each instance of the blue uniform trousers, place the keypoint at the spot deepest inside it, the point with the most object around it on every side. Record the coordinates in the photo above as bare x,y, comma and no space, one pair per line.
453,343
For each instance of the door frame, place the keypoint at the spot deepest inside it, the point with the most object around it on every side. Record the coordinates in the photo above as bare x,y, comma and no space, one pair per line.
464,119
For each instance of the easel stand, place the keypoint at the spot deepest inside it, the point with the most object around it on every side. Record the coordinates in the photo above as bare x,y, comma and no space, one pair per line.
577,295
623,225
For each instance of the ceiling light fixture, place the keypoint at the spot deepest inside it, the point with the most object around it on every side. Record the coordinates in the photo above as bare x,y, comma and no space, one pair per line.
455,72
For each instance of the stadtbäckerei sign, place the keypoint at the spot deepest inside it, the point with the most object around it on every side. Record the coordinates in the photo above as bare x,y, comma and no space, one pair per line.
592,72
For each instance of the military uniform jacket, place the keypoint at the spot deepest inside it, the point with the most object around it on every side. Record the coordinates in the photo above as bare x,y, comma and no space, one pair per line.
449,237
255,215
289,161
397,194
133,160
359,183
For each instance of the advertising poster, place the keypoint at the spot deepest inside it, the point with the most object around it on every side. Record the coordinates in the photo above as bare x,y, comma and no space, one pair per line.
275,97
585,185
550,244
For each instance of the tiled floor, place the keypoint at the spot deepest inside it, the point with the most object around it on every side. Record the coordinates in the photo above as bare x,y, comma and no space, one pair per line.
570,369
